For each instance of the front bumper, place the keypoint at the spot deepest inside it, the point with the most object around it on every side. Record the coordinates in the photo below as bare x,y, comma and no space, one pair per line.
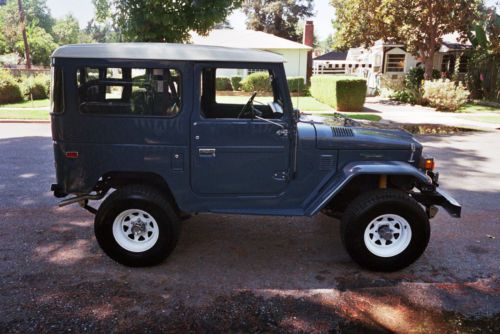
440,198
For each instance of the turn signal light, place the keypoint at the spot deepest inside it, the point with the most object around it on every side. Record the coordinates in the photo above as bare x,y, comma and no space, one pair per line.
428,164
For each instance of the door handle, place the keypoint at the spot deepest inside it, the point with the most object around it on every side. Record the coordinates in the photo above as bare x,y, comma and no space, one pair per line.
206,152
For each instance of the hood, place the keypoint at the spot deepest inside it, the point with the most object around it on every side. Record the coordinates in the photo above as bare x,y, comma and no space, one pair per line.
345,137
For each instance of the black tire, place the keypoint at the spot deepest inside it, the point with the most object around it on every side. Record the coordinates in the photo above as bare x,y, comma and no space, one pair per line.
371,205
143,198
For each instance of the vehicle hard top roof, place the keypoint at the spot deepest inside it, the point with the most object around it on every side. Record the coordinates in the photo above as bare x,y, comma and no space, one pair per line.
165,51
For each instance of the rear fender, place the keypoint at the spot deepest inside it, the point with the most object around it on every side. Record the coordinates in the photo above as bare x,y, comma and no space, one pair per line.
342,178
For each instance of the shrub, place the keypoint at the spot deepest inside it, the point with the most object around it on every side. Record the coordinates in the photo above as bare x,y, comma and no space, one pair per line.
236,82
10,91
445,94
223,83
296,84
340,92
36,87
256,82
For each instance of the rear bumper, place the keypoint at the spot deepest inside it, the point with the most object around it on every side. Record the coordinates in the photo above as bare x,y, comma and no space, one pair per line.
440,198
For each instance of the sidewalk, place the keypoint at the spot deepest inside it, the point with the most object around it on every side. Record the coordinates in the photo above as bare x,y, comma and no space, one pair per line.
406,113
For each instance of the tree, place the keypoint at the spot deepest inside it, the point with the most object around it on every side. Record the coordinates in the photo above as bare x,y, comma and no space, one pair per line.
36,13
66,31
279,18
22,24
163,20
101,32
418,24
41,45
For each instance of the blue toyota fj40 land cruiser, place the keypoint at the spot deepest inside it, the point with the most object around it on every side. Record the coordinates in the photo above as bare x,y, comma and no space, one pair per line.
148,125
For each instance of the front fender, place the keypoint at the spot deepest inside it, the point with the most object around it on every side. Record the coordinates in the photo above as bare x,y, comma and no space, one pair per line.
341,178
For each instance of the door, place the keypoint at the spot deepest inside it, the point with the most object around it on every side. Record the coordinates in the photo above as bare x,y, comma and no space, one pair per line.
233,155
239,157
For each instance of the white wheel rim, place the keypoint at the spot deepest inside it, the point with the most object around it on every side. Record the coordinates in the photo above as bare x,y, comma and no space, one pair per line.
387,235
135,230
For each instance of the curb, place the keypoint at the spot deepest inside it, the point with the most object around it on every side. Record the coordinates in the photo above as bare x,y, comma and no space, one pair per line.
35,121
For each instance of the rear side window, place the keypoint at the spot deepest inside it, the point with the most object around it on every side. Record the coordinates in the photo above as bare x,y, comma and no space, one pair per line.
129,91
56,91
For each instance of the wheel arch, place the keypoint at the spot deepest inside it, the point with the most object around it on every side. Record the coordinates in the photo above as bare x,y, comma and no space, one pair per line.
374,174
118,179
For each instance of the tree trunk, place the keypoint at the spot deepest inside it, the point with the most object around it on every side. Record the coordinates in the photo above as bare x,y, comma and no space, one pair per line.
25,37
428,65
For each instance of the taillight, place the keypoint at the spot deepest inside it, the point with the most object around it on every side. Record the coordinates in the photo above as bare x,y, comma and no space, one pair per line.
72,154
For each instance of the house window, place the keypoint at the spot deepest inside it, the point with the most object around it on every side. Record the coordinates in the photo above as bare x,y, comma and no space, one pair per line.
395,63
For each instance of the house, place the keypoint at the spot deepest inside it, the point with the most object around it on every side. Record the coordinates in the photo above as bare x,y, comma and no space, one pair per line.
385,64
296,54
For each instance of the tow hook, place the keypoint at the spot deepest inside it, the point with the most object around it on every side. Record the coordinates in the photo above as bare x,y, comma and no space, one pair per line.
431,211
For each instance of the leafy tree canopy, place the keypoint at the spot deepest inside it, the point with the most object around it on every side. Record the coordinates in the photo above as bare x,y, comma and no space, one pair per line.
279,18
66,31
37,14
418,24
163,20
41,45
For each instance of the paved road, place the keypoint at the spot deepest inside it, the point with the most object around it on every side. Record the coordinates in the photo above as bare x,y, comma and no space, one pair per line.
234,273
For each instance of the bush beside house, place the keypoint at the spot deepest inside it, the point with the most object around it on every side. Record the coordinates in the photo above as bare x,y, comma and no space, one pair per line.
223,83
340,92
256,82
445,95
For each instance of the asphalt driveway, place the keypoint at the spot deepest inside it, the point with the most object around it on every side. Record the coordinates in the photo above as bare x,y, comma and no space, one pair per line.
245,274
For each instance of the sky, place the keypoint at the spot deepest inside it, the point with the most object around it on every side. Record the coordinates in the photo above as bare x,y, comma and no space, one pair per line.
324,13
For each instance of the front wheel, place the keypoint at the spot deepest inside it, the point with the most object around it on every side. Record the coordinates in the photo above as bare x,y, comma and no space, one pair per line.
385,230
136,226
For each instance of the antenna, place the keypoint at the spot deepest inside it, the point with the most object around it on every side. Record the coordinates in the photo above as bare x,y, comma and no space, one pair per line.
298,84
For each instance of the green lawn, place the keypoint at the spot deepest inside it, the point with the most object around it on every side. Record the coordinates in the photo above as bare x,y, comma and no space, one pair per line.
474,108
28,104
495,119
24,113
37,109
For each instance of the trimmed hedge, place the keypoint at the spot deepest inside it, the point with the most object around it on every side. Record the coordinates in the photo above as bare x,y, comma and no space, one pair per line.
256,82
236,82
223,83
343,93
296,84
10,91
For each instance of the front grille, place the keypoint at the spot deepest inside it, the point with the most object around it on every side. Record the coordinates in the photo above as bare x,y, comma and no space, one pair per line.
339,131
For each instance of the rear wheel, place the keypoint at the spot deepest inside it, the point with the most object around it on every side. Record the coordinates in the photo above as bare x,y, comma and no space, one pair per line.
385,230
137,226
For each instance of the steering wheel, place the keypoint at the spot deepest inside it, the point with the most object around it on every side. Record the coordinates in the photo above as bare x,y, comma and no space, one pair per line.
248,108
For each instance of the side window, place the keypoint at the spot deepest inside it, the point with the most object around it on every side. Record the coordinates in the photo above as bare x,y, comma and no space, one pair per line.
56,91
128,91
226,92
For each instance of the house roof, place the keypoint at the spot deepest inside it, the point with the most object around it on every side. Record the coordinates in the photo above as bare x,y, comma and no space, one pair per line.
333,55
165,51
248,39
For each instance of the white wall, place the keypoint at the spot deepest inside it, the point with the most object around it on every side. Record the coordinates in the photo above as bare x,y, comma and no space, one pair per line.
295,65
296,61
